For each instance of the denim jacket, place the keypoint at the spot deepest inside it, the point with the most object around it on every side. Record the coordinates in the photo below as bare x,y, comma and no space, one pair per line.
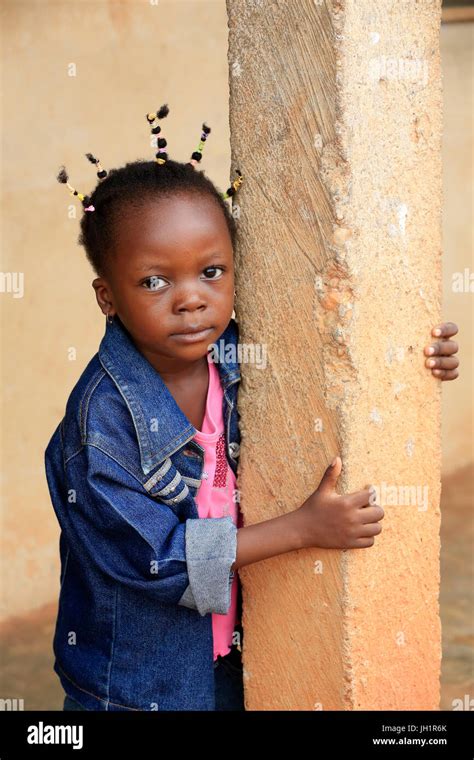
141,572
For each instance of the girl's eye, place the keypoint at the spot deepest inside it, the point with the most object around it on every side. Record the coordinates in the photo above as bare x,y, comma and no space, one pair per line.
153,280
213,269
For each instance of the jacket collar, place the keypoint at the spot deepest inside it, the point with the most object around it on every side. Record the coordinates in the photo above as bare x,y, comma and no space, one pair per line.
147,396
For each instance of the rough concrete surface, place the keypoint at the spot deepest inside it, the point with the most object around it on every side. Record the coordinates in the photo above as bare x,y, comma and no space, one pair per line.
335,117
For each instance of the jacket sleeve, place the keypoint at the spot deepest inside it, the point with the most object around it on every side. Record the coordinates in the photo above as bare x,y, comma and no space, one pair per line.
133,538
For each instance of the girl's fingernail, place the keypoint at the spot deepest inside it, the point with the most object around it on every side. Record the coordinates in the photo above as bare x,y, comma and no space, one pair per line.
431,350
431,363
333,463
437,331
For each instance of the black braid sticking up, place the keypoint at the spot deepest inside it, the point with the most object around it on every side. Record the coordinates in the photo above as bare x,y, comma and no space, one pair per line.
129,188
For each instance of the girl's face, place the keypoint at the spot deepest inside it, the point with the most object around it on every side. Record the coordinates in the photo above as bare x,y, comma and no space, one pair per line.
172,269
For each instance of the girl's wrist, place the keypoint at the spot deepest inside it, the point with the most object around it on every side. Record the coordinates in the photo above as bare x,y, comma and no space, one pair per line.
295,530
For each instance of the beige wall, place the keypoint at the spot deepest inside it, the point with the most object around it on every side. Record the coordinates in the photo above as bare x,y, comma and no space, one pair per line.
130,58
458,240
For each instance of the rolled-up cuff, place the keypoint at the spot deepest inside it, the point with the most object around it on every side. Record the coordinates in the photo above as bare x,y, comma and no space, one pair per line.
211,549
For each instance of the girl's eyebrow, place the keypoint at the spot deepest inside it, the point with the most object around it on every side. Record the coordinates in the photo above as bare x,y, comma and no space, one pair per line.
149,266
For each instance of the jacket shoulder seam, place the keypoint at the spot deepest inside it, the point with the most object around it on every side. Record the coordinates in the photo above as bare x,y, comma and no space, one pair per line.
107,454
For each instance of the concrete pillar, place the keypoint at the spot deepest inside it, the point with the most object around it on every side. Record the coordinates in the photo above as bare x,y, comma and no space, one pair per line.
335,115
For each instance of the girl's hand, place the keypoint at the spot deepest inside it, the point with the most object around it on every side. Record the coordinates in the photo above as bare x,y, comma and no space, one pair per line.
442,363
331,521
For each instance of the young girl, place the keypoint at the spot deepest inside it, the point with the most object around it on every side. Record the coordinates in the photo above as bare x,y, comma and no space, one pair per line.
142,468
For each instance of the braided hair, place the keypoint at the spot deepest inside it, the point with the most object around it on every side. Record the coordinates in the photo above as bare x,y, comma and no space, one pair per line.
131,187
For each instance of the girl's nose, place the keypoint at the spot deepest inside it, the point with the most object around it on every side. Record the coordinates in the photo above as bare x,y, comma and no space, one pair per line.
190,301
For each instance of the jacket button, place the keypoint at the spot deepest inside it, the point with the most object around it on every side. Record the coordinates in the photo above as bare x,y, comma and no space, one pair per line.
234,449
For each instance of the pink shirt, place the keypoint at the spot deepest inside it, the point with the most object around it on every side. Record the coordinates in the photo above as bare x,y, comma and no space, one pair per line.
215,496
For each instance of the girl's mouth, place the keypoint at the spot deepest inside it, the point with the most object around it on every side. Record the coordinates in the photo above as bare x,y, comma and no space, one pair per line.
192,337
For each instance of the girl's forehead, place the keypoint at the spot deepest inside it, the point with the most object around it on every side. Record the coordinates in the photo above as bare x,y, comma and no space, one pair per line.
165,242
172,221
185,203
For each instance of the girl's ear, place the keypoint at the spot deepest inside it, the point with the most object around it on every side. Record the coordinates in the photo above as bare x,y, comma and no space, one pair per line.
102,295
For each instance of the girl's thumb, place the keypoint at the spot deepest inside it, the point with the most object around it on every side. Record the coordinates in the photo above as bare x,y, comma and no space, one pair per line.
332,473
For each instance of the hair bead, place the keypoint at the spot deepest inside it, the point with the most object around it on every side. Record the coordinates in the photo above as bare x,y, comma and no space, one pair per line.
161,155
197,154
234,186
101,173
85,199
